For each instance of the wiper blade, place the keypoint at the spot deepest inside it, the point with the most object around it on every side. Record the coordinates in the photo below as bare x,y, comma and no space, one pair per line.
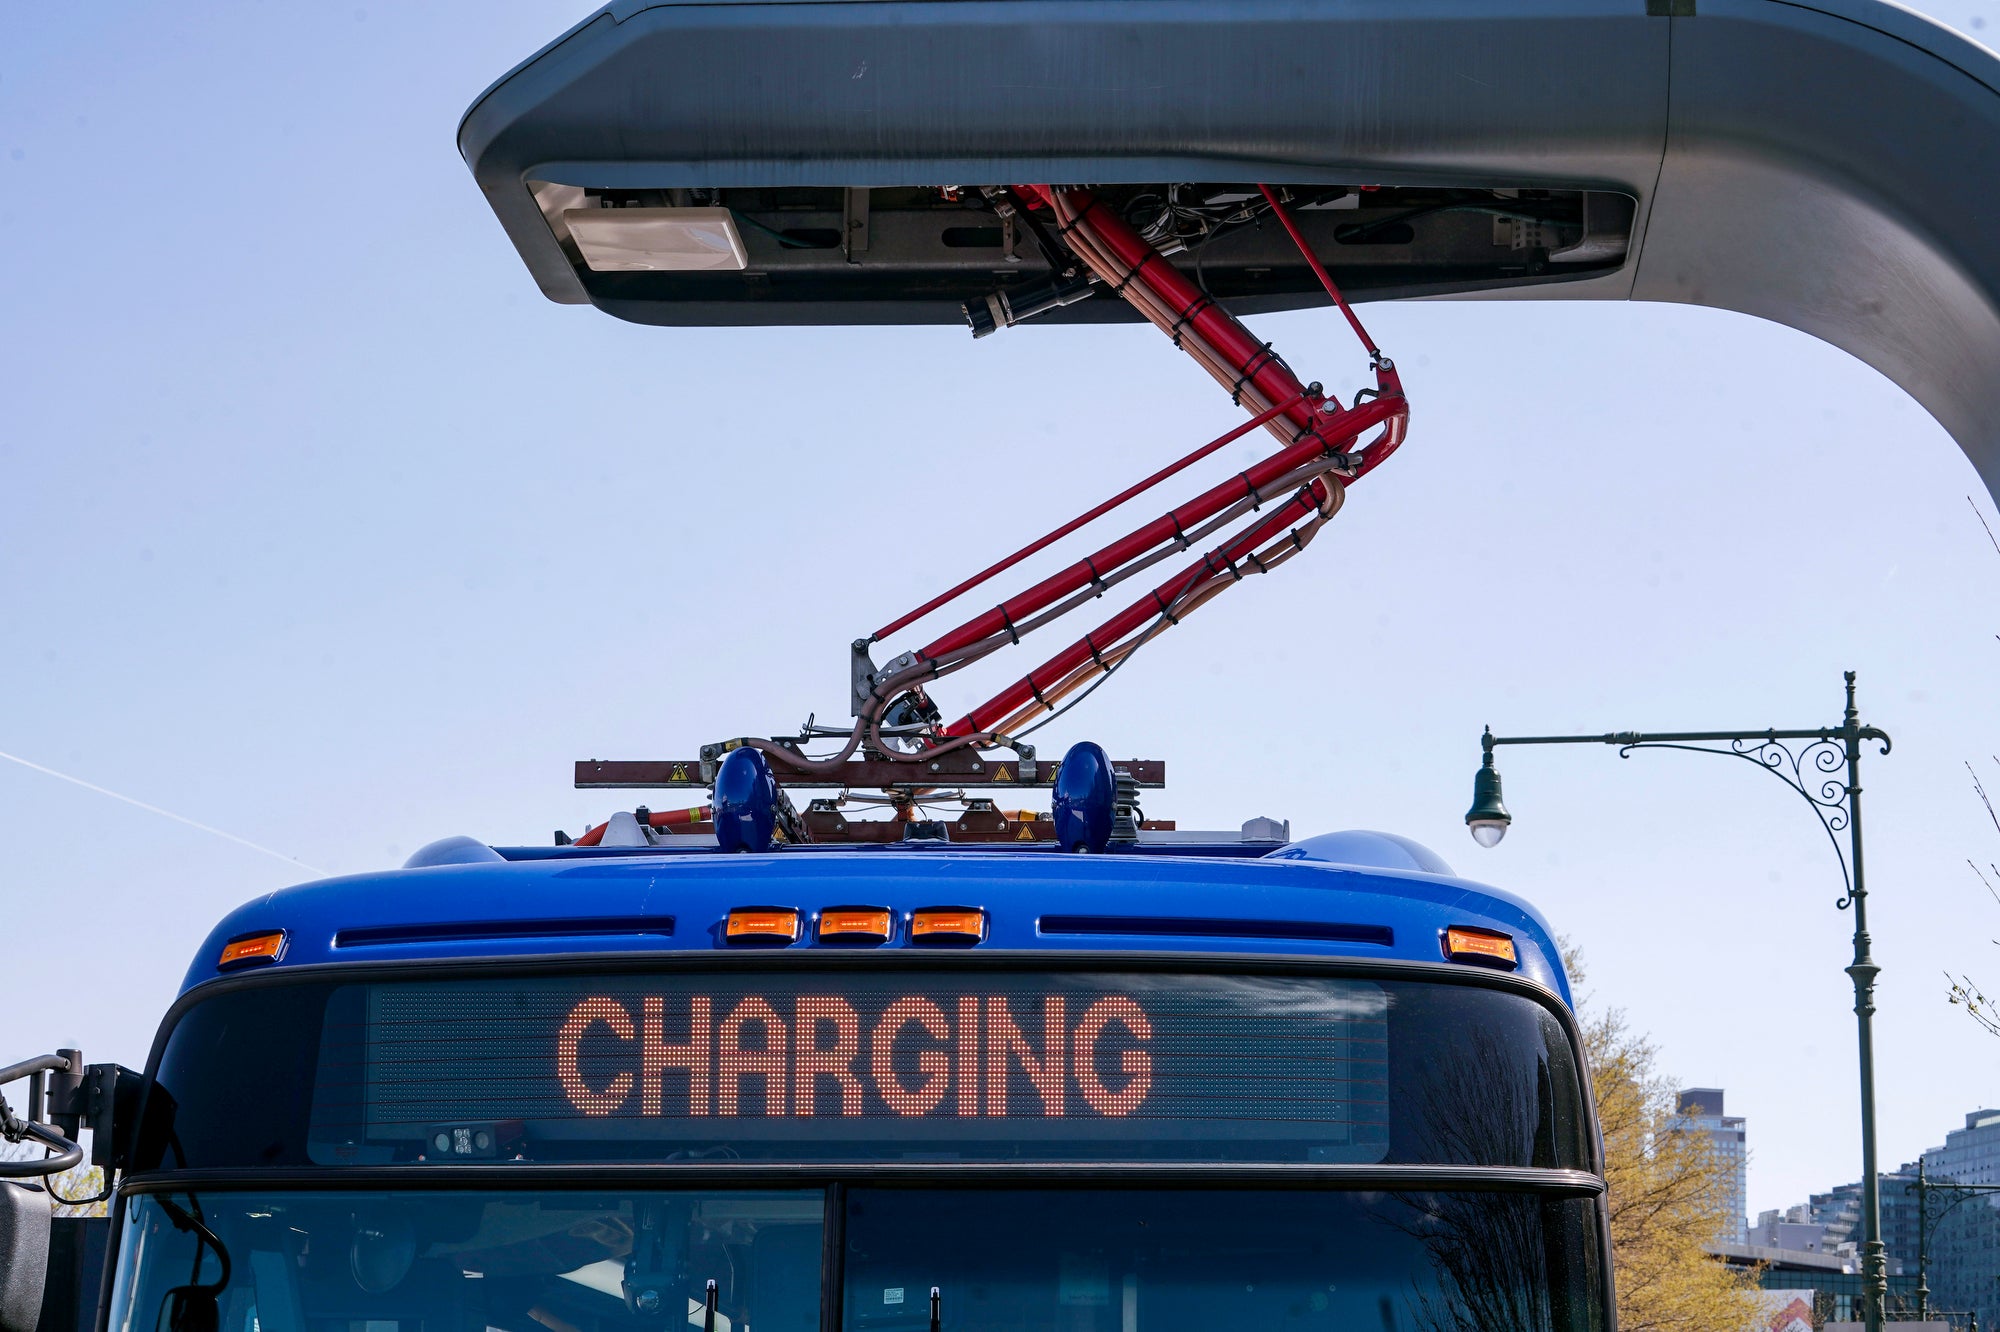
193,1307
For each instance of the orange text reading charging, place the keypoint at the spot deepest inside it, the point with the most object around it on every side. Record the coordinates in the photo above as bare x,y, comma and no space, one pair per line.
815,1058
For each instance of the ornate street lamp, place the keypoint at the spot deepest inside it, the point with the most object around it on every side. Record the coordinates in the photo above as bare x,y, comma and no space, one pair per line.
1813,770
1929,1193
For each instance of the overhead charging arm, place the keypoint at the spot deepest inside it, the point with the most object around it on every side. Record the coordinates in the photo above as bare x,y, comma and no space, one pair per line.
1314,466
1250,524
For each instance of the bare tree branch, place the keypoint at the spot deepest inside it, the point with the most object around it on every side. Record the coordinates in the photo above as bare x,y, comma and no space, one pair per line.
1982,522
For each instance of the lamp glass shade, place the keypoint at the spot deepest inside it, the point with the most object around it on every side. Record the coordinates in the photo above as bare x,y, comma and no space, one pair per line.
1488,818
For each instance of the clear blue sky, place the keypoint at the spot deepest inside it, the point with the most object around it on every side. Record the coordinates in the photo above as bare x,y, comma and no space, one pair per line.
318,524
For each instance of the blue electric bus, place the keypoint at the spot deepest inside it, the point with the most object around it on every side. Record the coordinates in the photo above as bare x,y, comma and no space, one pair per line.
1196,1082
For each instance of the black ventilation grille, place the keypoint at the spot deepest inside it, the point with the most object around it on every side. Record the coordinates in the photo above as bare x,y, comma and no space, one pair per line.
1212,928
375,936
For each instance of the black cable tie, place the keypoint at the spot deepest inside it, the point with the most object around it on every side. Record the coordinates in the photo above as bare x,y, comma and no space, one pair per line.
1064,228
1250,493
1036,690
1008,620
1096,579
1249,371
1089,208
1167,614
1254,559
1094,655
1195,307
1208,563
1133,275
1175,518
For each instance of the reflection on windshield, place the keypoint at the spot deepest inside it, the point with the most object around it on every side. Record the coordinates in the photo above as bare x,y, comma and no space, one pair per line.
476,1262
1185,1261
999,1260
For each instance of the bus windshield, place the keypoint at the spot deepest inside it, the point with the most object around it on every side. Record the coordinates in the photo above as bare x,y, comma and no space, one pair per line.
899,1260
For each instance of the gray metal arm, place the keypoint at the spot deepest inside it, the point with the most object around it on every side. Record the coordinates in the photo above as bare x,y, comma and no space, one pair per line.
1833,165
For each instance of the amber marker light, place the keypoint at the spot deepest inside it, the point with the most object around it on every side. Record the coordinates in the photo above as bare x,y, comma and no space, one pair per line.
948,925
1485,947
762,925
854,925
252,950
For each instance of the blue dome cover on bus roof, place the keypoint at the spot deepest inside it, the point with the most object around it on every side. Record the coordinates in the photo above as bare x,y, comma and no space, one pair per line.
1368,850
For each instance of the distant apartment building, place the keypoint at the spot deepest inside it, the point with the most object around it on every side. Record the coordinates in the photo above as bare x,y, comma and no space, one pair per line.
1816,1246
1838,1213
1700,1110
1791,1229
1790,1254
1965,1249
1970,1155
1793,1243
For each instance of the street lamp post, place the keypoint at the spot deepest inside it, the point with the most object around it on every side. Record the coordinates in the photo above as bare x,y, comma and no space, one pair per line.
1951,1194
1812,769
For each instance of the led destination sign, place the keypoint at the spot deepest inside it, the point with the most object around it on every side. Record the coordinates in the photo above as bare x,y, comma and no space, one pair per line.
815,1066
817,1057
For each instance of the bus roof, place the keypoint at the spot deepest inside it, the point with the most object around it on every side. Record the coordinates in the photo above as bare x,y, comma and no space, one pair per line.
1299,901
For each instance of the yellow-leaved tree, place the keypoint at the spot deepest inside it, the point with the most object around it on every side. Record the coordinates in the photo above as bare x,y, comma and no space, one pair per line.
83,1183
1668,1192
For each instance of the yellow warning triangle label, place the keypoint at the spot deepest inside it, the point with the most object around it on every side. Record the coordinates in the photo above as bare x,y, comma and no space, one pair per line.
1026,834
1000,774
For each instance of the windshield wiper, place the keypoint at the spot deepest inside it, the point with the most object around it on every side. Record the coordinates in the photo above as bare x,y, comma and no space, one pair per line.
193,1308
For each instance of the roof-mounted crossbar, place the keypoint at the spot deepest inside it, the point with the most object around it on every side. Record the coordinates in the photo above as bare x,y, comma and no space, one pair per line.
962,768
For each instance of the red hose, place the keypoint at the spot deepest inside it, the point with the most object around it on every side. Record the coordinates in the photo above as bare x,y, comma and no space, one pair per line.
1080,520
1166,528
1222,330
1182,585
657,818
